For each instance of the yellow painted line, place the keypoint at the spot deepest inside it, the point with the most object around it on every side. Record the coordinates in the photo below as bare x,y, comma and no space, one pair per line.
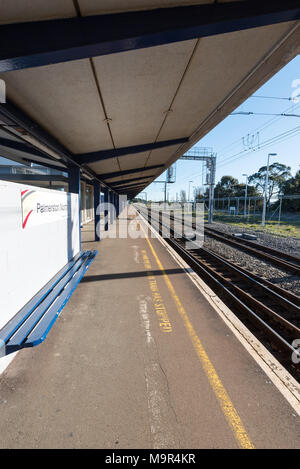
227,406
160,308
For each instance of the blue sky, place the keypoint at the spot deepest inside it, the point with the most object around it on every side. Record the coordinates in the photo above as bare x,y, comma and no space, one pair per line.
230,138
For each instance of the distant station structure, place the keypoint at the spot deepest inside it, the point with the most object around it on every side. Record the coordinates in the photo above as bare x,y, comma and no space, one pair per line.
207,155
170,179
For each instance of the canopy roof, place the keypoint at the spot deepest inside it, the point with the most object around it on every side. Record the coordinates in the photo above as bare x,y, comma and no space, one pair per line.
123,88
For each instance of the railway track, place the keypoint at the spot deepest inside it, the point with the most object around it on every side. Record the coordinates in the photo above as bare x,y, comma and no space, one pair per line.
278,258
270,312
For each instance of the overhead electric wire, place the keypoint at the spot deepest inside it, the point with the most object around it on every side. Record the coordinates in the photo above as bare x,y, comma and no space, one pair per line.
277,139
271,141
267,124
260,146
251,113
275,97
260,127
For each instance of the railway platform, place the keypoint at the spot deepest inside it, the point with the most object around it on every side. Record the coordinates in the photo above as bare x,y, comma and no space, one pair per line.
140,358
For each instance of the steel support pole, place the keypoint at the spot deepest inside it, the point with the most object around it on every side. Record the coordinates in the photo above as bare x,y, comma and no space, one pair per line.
149,215
211,204
122,202
160,227
172,230
74,187
263,220
211,165
106,214
245,201
111,207
97,210
280,208
74,179
117,205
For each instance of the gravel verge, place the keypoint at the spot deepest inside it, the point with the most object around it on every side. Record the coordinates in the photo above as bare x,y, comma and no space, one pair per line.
254,264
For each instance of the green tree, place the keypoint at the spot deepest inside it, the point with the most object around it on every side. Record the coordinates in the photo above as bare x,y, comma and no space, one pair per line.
278,174
229,186
240,190
182,196
197,194
226,187
291,187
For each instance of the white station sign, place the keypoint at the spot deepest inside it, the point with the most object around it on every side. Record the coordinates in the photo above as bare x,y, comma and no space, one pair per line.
39,234
40,207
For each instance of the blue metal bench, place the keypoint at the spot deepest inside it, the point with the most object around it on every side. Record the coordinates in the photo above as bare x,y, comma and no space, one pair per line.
30,326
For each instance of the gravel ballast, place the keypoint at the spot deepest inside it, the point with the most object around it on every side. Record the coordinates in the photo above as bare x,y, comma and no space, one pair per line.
289,245
254,264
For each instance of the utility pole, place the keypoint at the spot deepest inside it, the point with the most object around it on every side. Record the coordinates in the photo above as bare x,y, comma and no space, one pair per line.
211,165
189,190
210,158
189,196
263,220
280,207
146,198
194,198
245,203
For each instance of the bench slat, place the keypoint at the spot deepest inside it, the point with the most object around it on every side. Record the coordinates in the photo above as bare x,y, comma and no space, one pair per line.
8,330
29,323
30,326
39,334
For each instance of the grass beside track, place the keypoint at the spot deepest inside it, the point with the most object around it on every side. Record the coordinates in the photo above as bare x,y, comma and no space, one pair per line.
290,229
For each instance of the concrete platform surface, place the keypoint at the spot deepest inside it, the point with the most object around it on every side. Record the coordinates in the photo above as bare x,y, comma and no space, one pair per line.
139,359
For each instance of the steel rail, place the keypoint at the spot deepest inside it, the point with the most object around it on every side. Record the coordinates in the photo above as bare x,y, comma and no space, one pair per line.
276,325
281,259
278,258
